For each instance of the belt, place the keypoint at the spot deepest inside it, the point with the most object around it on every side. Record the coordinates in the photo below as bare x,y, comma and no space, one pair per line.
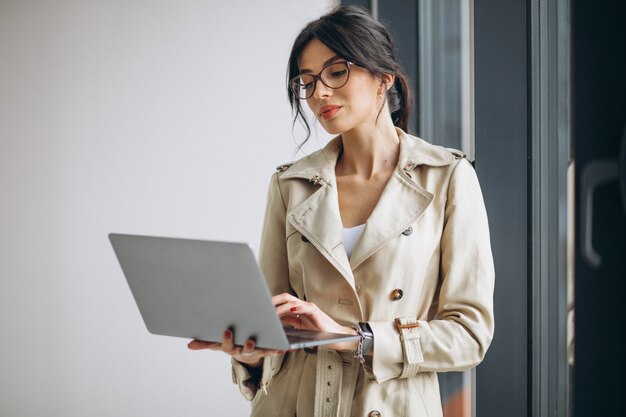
328,383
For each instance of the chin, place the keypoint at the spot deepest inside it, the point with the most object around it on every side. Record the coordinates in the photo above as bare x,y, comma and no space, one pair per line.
333,132
334,128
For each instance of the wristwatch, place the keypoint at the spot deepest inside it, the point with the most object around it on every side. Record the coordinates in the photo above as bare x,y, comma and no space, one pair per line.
368,337
366,341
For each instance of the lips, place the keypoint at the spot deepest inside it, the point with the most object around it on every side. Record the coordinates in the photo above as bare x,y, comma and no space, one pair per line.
328,111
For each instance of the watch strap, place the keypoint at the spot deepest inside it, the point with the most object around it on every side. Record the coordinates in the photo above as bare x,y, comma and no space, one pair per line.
368,338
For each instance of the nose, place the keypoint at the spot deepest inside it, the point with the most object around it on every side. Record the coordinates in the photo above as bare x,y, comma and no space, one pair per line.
321,91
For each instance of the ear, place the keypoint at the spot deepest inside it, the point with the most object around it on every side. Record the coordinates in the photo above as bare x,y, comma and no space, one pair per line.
386,82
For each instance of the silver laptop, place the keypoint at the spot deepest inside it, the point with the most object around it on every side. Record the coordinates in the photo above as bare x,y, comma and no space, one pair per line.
196,289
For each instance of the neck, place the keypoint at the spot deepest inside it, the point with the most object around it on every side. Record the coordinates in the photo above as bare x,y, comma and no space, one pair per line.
369,150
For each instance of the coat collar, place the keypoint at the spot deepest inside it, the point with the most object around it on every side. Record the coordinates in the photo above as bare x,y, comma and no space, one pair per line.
401,203
413,152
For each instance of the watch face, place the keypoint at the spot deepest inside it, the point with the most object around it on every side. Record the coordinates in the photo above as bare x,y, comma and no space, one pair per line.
368,337
365,327
367,345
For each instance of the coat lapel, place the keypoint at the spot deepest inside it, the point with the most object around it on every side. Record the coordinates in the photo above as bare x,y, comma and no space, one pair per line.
402,202
318,217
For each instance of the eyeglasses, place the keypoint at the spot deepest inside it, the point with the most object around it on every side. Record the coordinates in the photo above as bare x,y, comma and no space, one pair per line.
333,76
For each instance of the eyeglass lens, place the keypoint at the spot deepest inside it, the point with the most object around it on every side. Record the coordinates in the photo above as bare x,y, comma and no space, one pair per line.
333,76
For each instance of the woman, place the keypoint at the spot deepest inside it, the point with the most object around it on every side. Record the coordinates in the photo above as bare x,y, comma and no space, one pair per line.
378,234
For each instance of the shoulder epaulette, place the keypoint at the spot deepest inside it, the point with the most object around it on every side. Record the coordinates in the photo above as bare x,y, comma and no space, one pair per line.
457,154
283,167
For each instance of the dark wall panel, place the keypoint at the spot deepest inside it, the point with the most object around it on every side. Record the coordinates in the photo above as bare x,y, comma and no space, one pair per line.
401,17
362,3
501,103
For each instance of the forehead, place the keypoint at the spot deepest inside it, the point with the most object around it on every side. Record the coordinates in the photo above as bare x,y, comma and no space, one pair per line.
314,55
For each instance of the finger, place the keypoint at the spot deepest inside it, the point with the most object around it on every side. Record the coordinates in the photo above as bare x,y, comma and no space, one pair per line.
248,348
255,356
292,321
299,308
311,313
199,344
283,298
228,345
291,308
248,354
269,352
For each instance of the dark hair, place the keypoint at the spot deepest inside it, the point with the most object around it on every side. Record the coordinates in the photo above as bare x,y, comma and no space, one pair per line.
355,35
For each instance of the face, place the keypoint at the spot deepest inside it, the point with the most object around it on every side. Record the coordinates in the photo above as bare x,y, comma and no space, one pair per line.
353,106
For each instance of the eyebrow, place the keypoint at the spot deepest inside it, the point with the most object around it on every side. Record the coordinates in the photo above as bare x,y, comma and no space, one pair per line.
328,61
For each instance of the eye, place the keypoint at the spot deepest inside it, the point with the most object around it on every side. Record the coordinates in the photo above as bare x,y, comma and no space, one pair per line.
338,73
305,82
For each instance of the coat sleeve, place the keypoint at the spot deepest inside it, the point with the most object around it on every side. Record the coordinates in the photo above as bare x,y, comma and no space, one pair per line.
461,331
275,267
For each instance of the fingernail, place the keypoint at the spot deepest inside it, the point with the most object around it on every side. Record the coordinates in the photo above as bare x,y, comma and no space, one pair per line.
249,345
228,334
294,308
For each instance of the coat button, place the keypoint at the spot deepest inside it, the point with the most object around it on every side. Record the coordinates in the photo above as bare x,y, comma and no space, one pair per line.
397,294
374,413
304,239
408,231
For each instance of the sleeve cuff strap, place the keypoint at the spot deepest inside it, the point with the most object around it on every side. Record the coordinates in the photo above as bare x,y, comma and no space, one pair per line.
409,335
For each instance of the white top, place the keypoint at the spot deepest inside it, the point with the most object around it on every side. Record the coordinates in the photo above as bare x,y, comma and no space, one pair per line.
351,235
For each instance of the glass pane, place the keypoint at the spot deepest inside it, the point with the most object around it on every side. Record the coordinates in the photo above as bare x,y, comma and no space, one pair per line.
444,104
444,101
457,397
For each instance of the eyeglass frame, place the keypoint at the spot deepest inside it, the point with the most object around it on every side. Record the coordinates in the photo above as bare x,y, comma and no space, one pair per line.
318,76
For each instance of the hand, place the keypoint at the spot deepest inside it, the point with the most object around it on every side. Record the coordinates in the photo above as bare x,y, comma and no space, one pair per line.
302,315
247,354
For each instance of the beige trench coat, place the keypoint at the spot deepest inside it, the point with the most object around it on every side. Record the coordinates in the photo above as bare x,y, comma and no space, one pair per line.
427,236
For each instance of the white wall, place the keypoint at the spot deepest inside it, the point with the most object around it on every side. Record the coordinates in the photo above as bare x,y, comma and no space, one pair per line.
155,117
